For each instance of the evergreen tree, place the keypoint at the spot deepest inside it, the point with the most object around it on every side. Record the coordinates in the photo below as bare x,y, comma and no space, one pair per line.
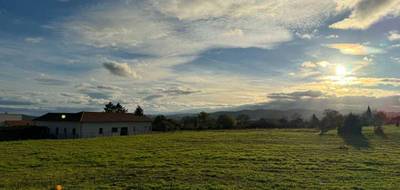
120,109
314,121
138,111
110,107
367,117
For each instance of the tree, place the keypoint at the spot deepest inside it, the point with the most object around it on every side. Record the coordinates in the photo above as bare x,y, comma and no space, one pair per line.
226,122
314,122
379,118
120,109
367,117
109,107
138,111
161,123
332,119
352,125
242,120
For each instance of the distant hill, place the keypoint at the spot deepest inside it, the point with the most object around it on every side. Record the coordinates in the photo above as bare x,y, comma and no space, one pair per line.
259,113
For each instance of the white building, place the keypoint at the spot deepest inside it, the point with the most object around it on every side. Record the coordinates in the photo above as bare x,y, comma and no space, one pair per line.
93,124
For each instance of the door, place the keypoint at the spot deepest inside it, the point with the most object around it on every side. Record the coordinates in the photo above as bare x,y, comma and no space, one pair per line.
124,131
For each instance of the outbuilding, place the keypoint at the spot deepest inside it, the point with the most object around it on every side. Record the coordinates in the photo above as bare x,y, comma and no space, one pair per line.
93,124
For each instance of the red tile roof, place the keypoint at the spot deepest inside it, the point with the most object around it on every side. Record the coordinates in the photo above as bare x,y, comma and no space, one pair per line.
16,123
93,117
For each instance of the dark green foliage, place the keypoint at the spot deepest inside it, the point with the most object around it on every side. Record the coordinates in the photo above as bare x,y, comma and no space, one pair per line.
314,122
161,123
226,122
138,111
367,117
242,120
352,125
189,123
332,119
110,107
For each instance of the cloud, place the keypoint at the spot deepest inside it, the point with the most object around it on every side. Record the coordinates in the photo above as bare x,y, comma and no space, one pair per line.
47,80
15,102
332,36
354,49
393,35
341,103
296,95
169,92
365,13
34,40
120,69
181,28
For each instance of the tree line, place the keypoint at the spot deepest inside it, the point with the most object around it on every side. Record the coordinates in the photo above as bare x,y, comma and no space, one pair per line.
331,120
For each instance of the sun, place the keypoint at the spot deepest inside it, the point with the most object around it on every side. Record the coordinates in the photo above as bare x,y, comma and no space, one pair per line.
341,71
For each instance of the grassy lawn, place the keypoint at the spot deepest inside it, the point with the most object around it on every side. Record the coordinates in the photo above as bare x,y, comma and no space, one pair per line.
236,159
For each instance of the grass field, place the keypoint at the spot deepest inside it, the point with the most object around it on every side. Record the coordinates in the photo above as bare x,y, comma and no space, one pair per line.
236,159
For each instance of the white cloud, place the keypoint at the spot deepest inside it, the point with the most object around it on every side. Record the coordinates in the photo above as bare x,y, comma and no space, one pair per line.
120,69
33,40
393,35
355,49
365,13
174,27
332,36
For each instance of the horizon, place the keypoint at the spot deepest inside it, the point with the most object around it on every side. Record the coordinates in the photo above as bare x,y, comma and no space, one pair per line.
174,57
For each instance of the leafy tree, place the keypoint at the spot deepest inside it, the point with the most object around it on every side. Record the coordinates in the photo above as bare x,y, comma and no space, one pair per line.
226,122
296,121
242,120
189,123
352,125
332,119
138,111
110,107
202,120
161,123
314,122
378,119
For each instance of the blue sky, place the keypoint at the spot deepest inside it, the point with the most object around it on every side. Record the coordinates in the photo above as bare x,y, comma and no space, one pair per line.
174,56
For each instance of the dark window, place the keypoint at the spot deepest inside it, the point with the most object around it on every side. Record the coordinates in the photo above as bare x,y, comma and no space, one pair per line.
100,131
74,131
114,130
56,131
65,131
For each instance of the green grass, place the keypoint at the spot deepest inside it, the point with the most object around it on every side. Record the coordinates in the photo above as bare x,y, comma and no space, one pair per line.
236,159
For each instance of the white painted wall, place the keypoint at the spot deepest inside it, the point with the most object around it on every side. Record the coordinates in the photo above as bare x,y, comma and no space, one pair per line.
84,130
92,129
65,125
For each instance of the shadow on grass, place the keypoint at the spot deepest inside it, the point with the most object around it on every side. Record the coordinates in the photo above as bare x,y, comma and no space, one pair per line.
358,141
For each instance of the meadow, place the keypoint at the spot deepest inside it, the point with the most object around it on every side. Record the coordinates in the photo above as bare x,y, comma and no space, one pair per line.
225,159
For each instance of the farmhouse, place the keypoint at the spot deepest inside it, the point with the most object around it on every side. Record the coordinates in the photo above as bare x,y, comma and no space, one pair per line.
93,124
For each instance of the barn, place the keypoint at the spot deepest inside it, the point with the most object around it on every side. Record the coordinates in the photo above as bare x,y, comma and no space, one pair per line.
93,124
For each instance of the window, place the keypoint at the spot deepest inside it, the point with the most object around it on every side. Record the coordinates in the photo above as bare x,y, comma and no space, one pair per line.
114,130
100,131
57,131
65,131
73,131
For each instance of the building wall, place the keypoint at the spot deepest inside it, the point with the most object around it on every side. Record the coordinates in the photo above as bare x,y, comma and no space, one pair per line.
8,117
85,130
92,129
62,127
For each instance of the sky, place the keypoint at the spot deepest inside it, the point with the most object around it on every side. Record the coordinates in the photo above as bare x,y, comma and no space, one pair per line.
173,56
